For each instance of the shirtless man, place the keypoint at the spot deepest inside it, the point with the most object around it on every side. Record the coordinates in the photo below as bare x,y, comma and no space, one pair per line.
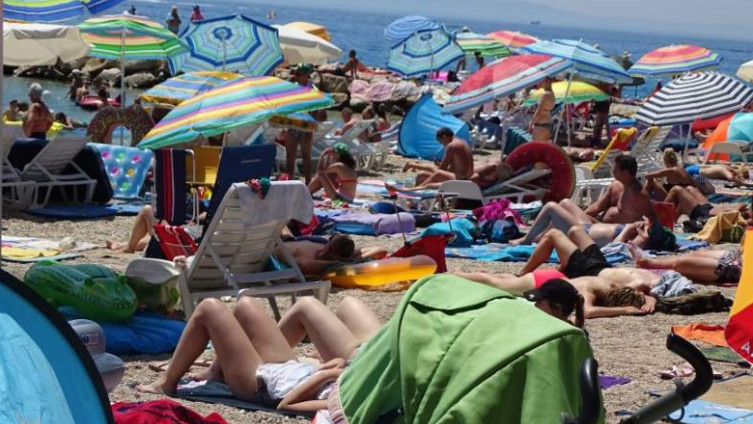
315,258
349,121
691,202
626,200
457,164
491,173
541,124
39,119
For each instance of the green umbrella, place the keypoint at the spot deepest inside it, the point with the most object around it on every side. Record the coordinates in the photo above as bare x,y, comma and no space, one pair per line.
472,42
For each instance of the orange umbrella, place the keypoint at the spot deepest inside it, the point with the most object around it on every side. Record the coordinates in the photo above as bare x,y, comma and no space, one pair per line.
739,329
719,135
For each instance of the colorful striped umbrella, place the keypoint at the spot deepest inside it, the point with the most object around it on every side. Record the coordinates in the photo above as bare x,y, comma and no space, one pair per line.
129,37
423,52
513,39
236,103
183,87
502,78
739,329
589,62
738,127
230,43
675,60
579,91
403,28
53,10
694,96
472,42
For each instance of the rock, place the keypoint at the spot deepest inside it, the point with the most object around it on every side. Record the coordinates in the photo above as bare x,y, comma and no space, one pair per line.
141,80
339,98
334,84
138,66
111,75
358,104
67,67
405,91
94,66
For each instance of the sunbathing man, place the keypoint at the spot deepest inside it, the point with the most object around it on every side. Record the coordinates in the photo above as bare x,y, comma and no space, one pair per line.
315,258
704,267
491,173
626,200
457,164
541,127
691,202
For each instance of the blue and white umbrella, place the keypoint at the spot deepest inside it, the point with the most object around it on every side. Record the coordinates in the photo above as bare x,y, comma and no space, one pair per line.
403,28
589,62
54,10
232,43
423,52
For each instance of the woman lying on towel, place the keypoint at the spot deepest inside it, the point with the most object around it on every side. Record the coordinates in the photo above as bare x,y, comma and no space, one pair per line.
336,174
255,356
315,258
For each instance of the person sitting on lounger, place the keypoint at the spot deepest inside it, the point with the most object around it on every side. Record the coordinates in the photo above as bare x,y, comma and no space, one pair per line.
674,175
490,173
691,202
349,121
704,267
315,258
626,200
457,164
255,356
339,179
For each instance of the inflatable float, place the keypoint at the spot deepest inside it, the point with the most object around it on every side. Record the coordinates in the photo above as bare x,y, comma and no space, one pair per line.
562,180
94,291
91,102
110,367
377,274
134,117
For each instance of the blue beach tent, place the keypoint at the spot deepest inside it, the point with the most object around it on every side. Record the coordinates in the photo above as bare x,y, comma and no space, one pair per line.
418,132
46,373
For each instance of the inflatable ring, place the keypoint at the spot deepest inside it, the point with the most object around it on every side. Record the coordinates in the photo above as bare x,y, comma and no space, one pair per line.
91,102
134,117
376,275
563,172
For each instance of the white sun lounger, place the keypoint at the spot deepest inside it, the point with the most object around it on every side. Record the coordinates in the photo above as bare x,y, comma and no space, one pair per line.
234,255
20,194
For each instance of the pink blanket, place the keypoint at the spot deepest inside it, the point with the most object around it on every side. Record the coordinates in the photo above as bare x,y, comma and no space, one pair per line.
380,91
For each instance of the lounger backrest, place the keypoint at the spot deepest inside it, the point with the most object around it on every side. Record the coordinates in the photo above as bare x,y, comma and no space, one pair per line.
54,157
523,178
356,130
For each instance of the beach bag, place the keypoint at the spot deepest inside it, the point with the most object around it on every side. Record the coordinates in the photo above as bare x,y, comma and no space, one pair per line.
464,230
726,227
500,230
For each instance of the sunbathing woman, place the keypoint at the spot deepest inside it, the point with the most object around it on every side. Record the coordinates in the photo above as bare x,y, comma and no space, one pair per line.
339,179
255,356
566,214
491,173
705,267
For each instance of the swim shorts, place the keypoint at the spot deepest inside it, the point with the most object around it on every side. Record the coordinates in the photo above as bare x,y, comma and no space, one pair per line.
587,262
701,212
541,276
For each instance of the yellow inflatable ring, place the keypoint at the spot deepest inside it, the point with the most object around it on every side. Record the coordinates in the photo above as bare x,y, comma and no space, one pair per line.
381,274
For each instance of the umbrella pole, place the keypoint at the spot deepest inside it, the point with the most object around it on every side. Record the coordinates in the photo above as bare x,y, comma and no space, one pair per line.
224,55
567,93
122,77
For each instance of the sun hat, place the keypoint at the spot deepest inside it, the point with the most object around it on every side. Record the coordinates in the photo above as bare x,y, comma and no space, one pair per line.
557,291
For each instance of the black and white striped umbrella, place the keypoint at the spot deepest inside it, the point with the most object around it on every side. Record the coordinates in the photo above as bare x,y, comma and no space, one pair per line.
694,96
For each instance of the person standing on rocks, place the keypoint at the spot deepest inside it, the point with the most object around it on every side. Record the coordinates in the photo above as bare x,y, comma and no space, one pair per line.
173,20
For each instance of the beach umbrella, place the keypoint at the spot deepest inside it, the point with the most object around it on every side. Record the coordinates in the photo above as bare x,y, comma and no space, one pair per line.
233,104
423,52
579,92
312,28
53,10
745,72
472,42
675,60
403,28
299,46
129,37
739,329
32,44
502,78
695,96
738,127
229,43
185,86
513,39
588,61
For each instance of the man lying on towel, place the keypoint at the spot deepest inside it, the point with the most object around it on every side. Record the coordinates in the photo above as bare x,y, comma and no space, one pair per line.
314,258
457,164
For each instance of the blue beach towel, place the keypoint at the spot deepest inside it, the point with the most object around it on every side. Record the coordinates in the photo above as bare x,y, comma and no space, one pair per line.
91,211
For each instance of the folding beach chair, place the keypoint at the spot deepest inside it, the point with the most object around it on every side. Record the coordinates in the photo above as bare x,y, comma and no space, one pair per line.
362,152
207,159
646,149
47,167
235,252
16,193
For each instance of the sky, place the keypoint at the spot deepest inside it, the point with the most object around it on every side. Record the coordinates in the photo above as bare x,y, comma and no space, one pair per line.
708,18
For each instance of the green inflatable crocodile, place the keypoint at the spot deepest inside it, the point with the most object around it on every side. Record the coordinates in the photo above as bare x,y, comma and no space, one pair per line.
95,291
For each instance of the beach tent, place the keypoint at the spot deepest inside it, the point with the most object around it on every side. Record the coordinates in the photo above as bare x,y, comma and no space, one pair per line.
418,132
524,368
46,375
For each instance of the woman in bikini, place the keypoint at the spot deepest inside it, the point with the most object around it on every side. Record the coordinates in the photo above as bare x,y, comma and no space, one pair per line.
541,126
39,119
336,174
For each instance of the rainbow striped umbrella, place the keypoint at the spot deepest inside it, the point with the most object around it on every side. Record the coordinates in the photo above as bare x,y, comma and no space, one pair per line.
472,42
578,91
589,62
675,60
423,52
183,87
502,78
129,37
513,39
230,43
236,103
739,329
53,10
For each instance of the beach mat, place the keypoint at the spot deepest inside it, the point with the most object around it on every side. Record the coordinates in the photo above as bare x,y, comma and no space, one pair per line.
215,392
723,354
704,412
91,211
734,392
31,249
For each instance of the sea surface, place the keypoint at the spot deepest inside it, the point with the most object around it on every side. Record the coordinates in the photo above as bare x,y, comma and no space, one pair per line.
364,33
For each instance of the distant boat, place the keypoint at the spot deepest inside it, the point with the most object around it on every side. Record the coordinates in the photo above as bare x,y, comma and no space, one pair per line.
535,22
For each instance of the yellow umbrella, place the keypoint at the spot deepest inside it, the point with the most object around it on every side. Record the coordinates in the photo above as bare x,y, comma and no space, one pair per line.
312,28
579,92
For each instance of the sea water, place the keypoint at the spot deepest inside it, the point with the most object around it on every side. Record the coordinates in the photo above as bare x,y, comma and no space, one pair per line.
364,32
